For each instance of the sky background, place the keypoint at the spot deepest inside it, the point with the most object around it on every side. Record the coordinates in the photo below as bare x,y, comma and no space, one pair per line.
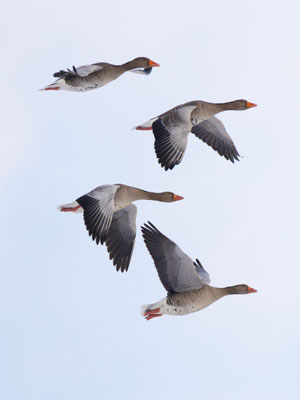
70,325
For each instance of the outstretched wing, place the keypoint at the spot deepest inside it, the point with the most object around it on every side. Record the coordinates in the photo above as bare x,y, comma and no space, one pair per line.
170,131
204,276
145,71
121,237
98,211
84,70
176,270
213,133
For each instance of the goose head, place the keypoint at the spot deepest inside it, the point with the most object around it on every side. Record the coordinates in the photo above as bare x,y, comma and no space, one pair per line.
243,289
243,104
144,62
169,197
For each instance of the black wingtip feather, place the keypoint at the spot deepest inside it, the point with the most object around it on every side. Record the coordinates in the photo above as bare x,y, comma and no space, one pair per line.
168,156
149,227
199,263
147,71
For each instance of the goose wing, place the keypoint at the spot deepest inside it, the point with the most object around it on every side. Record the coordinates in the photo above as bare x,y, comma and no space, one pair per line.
145,71
176,270
213,132
120,238
98,208
170,131
84,70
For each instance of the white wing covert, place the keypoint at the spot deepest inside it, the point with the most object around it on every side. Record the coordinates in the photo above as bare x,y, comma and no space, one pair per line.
83,71
98,206
86,70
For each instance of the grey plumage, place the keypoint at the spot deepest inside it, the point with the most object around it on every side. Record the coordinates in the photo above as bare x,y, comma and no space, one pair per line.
98,211
93,76
186,282
110,217
176,270
168,153
213,132
171,130
120,238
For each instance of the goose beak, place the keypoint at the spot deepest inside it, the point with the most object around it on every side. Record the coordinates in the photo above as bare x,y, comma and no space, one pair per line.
153,64
250,105
250,290
176,197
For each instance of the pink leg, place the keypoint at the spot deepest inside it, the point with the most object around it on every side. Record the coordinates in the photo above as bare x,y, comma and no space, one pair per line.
155,311
64,209
142,128
152,314
148,317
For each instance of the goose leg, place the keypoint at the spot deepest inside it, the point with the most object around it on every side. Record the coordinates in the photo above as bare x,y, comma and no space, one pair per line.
155,311
66,209
152,314
148,317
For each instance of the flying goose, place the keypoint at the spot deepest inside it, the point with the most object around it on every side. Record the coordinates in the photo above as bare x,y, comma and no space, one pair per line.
186,282
171,130
110,217
89,77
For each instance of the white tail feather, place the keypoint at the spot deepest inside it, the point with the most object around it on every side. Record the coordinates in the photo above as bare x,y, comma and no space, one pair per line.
146,125
59,84
145,308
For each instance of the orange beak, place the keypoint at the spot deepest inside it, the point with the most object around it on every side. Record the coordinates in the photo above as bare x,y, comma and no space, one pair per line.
176,197
250,105
250,290
153,64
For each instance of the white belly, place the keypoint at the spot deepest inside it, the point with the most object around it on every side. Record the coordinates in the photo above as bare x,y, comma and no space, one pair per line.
178,310
175,310
84,87
187,302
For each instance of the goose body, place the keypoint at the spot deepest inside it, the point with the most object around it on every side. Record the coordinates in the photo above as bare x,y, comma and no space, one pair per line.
110,217
186,282
93,76
171,130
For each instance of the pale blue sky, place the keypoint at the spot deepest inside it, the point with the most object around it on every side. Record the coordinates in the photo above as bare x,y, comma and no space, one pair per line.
70,325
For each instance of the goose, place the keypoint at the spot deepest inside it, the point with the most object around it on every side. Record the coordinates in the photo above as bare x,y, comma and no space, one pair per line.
186,282
110,217
171,130
89,77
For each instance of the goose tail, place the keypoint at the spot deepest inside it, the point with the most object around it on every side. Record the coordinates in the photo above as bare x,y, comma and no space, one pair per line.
145,308
146,126
59,84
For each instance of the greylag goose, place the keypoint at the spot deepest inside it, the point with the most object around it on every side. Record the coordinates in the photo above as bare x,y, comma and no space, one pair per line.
89,77
110,217
186,282
171,130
